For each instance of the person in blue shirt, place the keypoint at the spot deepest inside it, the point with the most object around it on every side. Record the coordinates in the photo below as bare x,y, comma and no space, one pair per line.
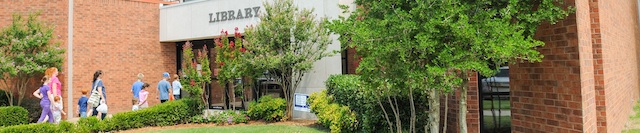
82,104
164,87
135,88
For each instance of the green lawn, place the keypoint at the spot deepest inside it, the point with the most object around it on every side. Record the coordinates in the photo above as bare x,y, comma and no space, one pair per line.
248,129
634,120
497,104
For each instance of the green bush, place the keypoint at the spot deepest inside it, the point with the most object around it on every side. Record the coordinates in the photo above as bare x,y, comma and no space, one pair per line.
349,91
90,124
63,127
13,115
169,113
336,117
33,106
267,108
4,100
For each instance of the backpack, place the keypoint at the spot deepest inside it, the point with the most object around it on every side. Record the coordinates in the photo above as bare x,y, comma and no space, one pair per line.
94,99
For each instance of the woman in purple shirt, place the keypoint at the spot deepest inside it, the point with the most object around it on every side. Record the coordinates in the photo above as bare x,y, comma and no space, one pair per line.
45,95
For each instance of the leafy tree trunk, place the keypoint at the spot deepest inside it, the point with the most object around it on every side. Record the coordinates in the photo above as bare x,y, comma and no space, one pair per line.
412,125
434,110
386,115
463,105
446,112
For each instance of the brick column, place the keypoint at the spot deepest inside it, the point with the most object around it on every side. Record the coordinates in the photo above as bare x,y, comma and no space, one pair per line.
557,95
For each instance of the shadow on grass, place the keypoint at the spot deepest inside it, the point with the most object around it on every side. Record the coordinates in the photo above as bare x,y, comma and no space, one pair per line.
319,127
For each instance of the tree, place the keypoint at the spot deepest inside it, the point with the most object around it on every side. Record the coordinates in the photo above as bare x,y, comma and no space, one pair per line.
233,59
427,47
195,81
286,43
26,50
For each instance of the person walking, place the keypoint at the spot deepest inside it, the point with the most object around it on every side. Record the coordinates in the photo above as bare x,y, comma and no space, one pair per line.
135,88
177,86
99,85
82,104
164,87
55,84
57,109
144,94
45,96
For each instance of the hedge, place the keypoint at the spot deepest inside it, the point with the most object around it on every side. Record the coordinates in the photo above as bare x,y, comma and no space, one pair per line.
337,117
349,91
169,113
13,115
268,109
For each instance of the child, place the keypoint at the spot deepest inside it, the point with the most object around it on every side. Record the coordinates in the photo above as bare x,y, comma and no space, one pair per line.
82,104
143,94
57,109
135,105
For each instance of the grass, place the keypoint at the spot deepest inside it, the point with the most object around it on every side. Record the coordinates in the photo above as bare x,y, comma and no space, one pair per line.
248,129
497,104
504,121
634,120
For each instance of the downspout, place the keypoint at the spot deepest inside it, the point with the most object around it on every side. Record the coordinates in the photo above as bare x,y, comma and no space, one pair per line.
70,61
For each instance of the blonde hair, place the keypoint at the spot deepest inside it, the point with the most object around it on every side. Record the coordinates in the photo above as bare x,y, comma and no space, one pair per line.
140,75
176,77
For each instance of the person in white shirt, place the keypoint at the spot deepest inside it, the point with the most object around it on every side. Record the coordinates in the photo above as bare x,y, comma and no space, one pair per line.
177,86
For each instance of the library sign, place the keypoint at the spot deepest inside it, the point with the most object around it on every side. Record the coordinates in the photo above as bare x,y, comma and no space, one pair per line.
245,13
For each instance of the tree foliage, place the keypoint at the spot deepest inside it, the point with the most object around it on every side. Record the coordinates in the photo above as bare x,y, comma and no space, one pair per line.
195,80
287,42
26,50
426,46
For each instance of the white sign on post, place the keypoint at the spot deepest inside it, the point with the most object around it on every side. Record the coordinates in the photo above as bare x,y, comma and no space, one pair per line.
300,103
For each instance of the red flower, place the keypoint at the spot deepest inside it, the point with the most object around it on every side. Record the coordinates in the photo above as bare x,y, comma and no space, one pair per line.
193,82
238,34
226,33
243,50
222,31
221,63
236,28
231,44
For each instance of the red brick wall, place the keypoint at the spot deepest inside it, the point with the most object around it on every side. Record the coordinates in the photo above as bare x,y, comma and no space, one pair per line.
596,41
556,94
53,13
473,108
618,28
352,60
121,39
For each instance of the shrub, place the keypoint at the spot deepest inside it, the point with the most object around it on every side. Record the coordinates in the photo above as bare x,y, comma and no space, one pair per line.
33,128
336,117
348,90
33,107
268,109
13,115
4,100
90,124
169,113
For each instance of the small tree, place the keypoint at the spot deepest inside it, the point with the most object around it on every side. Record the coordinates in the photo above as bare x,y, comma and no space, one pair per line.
428,46
26,50
196,81
232,58
286,43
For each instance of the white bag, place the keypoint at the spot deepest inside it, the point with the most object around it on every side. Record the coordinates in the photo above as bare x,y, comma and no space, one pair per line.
102,108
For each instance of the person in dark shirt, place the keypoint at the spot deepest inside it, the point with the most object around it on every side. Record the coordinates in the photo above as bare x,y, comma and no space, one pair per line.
82,104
